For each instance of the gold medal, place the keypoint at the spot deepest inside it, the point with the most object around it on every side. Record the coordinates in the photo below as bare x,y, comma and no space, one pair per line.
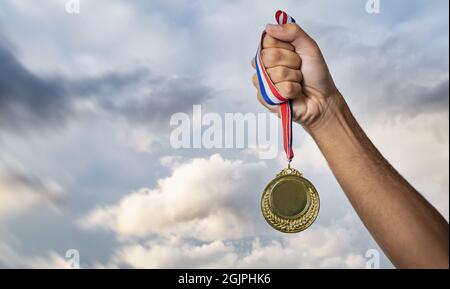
290,203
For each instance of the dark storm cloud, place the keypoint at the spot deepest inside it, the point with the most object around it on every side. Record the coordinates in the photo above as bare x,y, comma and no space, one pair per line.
168,96
142,97
399,75
109,84
29,101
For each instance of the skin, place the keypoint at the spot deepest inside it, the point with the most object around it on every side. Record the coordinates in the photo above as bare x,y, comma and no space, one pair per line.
409,230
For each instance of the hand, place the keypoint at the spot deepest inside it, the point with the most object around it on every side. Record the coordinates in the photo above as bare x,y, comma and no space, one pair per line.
296,66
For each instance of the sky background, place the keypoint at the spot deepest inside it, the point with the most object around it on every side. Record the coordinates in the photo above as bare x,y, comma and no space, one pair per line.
85,103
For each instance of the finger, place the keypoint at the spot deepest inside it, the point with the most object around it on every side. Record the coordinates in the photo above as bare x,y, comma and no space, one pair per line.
289,89
280,57
281,73
253,63
293,34
255,81
271,42
271,108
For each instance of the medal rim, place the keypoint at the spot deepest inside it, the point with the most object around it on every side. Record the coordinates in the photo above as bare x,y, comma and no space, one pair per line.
295,223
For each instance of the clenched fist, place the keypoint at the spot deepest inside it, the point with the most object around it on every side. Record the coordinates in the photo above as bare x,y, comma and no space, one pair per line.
296,66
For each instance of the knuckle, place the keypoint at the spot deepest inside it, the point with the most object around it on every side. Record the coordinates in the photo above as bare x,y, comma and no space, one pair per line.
289,88
283,72
268,41
272,56
296,62
278,74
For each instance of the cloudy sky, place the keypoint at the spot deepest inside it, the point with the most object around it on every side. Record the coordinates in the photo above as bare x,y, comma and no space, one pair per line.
85,104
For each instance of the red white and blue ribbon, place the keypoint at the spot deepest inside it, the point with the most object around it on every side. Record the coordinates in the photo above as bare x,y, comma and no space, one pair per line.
270,93
283,18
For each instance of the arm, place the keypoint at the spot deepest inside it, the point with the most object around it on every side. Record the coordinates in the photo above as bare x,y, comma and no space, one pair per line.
408,229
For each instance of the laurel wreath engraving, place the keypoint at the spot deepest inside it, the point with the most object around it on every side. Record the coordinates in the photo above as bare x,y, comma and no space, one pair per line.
291,225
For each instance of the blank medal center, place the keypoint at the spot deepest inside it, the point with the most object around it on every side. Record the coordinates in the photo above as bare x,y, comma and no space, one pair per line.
289,198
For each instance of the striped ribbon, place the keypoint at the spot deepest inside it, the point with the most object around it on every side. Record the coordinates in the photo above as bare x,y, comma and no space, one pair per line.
270,93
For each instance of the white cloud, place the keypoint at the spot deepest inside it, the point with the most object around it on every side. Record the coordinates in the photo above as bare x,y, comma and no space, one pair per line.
206,214
336,246
206,198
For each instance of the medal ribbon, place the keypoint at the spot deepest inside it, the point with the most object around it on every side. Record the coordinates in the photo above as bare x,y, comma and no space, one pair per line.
270,93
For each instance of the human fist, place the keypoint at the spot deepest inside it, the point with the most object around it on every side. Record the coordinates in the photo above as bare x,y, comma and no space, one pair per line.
298,70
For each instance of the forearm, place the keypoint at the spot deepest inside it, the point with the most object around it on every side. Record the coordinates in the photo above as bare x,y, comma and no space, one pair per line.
408,229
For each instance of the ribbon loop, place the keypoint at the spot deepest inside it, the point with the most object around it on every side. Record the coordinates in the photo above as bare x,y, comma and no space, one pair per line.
270,93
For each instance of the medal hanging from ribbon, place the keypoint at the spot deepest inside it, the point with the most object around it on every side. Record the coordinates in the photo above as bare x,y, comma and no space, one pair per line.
270,93
289,203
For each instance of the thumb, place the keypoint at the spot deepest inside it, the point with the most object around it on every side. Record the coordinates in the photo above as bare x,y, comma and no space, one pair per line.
292,33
